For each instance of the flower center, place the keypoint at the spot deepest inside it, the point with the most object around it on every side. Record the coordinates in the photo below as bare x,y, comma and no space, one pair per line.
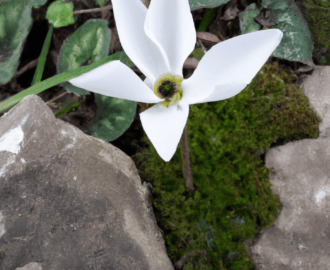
168,86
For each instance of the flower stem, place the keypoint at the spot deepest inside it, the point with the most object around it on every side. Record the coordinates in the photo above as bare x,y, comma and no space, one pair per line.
187,173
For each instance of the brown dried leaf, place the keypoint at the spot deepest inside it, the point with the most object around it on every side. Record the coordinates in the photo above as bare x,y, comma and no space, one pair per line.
266,19
191,62
208,37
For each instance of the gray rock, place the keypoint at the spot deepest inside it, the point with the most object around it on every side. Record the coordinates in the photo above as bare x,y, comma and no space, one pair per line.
31,266
317,88
300,174
69,201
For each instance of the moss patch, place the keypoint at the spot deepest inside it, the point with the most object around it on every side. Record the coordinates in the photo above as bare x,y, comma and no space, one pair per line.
318,21
317,17
232,201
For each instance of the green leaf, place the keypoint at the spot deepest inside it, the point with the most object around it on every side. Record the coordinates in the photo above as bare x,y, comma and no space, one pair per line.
113,118
114,115
296,44
52,81
92,39
198,53
15,23
43,56
39,3
69,106
276,4
207,19
60,14
101,3
246,19
122,56
197,4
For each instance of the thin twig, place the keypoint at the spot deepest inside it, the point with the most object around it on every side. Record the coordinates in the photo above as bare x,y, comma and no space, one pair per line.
28,66
179,264
258,98
59,96
92,10
187,173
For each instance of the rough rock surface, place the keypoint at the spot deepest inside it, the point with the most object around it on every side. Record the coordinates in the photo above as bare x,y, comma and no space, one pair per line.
300,174
69,201
31,266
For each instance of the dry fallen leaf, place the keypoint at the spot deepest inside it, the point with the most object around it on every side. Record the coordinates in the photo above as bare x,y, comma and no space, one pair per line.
191,62
208,37
266,19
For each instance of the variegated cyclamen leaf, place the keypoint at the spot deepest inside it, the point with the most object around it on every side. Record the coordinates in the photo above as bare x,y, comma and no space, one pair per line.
246,19
296,44
276,4
91,40
198,4
114,116
39,3
15,23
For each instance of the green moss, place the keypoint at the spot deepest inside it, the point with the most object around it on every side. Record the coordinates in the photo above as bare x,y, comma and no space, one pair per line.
232,201
319,24
323,3
317,17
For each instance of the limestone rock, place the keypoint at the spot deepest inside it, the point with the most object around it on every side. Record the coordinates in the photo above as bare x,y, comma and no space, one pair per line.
31,266
69,201
317,90
300,174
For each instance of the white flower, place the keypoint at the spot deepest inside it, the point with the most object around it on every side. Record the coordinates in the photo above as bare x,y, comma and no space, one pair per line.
158,40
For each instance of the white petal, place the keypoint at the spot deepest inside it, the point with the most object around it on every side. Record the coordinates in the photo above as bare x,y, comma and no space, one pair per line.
130,16
234,61
169,23
195,92
115,79
164,127
149,84
222,92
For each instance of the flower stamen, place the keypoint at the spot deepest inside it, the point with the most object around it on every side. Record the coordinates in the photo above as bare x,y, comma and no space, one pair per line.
168,86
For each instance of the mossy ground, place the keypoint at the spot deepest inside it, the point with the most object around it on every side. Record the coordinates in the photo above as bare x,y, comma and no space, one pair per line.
319,24
232,201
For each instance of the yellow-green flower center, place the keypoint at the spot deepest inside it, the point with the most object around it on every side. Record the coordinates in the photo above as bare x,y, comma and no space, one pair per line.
168,86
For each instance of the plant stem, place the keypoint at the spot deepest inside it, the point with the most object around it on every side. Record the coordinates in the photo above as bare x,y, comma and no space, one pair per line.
55,98
187,173
92,10
28,66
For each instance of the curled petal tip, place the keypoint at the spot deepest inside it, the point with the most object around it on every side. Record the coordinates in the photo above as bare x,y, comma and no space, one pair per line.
279,33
